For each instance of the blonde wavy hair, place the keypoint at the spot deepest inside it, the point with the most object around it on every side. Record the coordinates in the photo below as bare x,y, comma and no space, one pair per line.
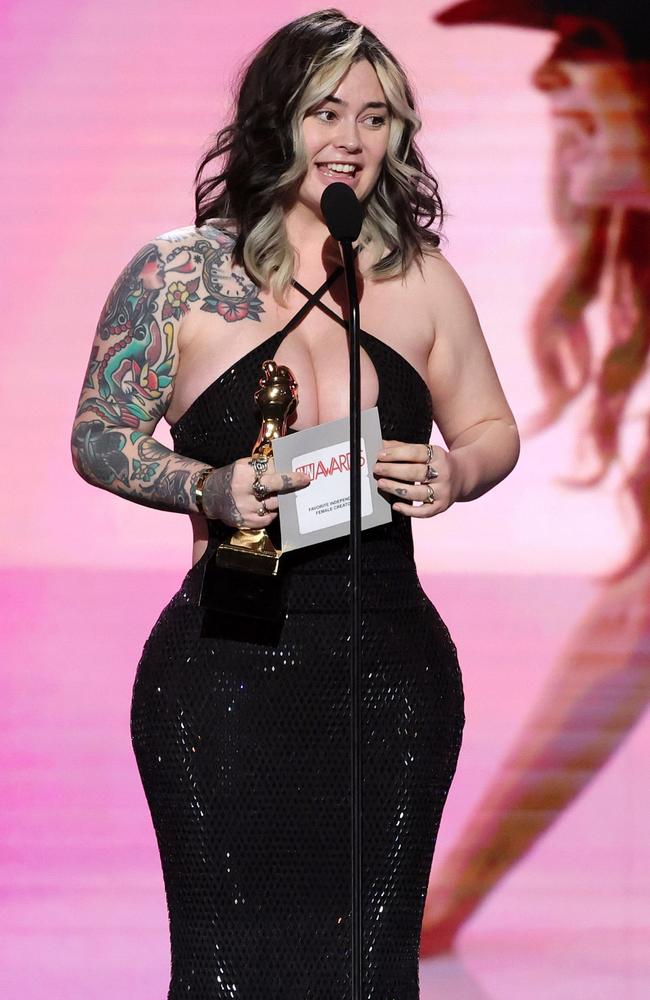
265,158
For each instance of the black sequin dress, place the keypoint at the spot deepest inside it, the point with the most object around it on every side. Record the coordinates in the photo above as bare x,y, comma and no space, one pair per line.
243,741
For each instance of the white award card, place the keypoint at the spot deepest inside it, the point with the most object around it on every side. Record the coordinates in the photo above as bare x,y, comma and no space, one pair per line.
322,510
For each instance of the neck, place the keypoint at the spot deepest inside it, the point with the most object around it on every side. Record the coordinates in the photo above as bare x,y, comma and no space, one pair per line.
310,238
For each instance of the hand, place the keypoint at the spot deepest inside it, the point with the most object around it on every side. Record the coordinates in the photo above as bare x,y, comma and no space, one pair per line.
400,466
228,493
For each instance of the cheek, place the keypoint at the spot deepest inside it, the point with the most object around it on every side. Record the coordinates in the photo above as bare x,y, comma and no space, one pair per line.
379,153
606,176
378,158
312,138
619,142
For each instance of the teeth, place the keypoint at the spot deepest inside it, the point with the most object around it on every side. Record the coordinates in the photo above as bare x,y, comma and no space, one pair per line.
341,168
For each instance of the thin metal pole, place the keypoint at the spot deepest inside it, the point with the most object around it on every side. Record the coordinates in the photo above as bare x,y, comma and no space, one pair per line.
356,776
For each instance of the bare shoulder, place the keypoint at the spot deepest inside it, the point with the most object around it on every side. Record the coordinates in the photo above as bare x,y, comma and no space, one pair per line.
207,278
447,296
431,285
441,277
183,269
431,290
147,318
214,229
193,245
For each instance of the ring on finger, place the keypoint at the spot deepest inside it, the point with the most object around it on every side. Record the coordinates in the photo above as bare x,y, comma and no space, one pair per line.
263,510
260,464
260,489
429,453
431,497
430,473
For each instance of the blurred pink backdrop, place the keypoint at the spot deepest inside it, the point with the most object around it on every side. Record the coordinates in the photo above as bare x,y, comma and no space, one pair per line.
105,109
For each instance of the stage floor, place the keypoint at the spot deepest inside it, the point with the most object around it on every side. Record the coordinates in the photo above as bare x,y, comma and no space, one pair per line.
84,913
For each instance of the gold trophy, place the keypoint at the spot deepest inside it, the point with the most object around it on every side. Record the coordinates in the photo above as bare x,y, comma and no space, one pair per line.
241,577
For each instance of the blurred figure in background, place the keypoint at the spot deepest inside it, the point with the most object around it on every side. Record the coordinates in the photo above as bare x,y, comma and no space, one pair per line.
597,79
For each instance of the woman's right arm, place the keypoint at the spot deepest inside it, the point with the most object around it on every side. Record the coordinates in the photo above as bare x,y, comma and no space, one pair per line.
128,387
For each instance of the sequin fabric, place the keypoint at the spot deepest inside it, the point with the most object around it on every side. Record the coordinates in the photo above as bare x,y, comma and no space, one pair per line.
242,741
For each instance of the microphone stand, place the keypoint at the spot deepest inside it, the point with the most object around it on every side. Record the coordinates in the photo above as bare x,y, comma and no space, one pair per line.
355,617
343,216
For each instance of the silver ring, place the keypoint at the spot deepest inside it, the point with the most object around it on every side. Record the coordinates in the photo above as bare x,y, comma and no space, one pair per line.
260,464
431,497
260,490
430,474
429,454
262,510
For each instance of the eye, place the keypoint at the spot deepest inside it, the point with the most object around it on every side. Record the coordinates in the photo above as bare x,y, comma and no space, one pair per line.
325,111
376,121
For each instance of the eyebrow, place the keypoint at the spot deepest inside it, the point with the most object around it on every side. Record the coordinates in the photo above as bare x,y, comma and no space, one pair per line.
368,104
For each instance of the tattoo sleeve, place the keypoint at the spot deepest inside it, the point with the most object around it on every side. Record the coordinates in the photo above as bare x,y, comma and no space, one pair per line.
129,380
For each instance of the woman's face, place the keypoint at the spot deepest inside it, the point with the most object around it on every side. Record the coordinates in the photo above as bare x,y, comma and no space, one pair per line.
602,131
347,129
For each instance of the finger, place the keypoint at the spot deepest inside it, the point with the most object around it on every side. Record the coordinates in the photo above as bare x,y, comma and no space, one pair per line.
390,446
424,510
263,522
256,520
267,461
404,471
399,489
402,451
284,482
412,492
269,470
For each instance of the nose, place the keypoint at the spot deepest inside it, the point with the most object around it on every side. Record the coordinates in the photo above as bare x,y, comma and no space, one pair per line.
348,136
549,75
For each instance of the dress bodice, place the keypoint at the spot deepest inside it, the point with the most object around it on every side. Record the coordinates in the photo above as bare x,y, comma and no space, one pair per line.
222,424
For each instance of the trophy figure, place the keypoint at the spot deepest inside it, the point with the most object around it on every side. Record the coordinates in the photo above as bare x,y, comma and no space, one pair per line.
242,576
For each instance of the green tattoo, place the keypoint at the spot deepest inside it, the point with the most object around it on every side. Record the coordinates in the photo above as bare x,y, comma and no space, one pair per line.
128,383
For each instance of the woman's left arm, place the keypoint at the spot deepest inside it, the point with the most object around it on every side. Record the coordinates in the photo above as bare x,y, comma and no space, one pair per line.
470,410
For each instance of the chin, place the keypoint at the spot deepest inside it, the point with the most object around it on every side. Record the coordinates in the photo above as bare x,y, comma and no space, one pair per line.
585,187
605,190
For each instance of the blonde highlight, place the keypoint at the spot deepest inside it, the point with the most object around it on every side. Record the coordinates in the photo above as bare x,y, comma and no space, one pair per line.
319,49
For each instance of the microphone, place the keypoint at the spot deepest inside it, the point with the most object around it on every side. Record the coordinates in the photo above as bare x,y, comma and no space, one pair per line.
343,216
342,212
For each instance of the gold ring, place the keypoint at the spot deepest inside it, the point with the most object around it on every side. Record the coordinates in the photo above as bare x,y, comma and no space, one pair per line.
431,497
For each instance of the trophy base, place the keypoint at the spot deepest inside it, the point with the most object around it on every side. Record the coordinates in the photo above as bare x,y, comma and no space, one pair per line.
242,584
252,561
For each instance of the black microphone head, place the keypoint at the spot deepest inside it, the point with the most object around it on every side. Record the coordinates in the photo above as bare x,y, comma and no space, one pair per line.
342,211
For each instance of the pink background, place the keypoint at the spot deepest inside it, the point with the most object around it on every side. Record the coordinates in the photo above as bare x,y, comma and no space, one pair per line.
105,109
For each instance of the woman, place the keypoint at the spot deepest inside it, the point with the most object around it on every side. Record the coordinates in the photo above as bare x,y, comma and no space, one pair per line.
597,80
242,742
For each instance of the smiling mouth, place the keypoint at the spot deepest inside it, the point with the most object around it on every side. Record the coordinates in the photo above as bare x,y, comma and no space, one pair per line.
582,120
340,170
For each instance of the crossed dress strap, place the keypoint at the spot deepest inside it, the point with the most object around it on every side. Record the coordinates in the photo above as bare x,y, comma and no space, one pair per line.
321,305
314,298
